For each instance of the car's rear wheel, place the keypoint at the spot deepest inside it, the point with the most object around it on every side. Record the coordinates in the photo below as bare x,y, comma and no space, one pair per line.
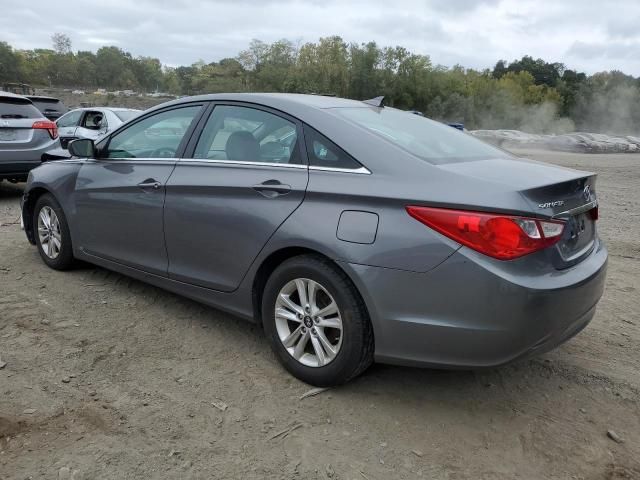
316,321
52,233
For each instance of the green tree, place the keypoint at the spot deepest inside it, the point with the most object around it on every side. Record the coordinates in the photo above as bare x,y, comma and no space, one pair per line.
85,66
528,93
363,66
9,64
113,68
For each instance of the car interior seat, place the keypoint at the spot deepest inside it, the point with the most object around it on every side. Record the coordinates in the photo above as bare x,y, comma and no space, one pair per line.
242,146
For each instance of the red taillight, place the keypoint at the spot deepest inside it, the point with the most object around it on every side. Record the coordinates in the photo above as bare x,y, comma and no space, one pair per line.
504,237
47,125
594,213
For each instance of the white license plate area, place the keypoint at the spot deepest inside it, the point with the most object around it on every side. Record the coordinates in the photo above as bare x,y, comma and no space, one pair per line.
8,134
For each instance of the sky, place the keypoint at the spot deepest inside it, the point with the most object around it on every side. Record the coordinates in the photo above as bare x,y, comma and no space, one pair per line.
586,35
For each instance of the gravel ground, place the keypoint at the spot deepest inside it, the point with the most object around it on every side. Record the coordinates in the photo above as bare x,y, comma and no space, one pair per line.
106,377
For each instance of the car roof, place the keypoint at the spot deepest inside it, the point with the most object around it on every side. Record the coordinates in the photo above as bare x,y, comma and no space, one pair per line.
42,98
288,102
112,109
14,95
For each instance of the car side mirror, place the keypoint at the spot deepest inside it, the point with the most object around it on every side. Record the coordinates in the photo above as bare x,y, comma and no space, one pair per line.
83,148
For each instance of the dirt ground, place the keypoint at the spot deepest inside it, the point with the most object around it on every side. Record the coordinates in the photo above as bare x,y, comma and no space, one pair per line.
107,377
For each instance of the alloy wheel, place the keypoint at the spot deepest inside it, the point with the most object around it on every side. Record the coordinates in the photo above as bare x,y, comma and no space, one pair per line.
49,232
308,322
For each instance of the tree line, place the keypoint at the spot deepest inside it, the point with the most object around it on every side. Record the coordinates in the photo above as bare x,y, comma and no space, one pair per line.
529,94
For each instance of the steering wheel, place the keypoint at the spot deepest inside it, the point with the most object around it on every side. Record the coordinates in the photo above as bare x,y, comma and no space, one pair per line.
164,152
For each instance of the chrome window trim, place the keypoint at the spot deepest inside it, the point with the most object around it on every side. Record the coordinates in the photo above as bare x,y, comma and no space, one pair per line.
241,162
575,211
359,171
150,160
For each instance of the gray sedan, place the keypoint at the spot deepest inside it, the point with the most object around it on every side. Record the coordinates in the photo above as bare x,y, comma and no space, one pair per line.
351,231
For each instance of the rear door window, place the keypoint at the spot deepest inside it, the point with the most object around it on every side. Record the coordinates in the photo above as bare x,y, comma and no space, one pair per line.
245,134
71,119
11,108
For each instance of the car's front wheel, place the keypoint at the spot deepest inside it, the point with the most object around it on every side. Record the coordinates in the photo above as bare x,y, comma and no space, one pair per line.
316,322
52,233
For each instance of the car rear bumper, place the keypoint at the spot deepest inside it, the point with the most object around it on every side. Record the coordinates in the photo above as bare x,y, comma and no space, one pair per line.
15,169
461,314
21,162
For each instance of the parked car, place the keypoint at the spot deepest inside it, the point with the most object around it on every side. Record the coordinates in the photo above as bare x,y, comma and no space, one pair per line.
634,141
92,122
353,232
506,138
51,107
25,136
604,143
571,142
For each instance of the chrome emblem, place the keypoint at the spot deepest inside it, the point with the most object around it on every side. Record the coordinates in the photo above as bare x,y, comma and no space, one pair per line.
586,193
557,203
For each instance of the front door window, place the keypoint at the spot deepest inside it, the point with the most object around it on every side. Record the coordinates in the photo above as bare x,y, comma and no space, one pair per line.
157,136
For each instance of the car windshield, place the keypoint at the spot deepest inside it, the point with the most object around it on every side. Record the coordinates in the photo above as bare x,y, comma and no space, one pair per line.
126,115
429,140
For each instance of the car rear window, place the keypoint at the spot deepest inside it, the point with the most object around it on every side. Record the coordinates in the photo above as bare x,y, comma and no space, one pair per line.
17,108
429,140
125,115
49,105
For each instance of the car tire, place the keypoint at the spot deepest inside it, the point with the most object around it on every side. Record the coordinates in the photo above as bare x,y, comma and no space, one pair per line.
351,346
58,256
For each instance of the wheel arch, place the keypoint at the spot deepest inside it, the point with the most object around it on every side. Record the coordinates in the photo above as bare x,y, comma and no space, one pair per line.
27,211
275,259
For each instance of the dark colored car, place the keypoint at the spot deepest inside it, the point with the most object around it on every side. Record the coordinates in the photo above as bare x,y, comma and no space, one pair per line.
25,136
51,107
353,232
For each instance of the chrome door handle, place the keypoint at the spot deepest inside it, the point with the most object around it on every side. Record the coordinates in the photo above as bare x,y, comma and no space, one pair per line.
150,184
272,188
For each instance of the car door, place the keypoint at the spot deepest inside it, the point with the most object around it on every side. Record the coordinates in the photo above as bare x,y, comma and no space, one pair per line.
246,175
67,125
119,196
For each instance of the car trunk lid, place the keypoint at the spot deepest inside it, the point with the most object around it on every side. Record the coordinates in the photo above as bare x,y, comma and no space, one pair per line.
17,133
17,116
549,192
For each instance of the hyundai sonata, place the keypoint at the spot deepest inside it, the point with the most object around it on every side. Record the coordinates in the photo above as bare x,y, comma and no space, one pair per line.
351,231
